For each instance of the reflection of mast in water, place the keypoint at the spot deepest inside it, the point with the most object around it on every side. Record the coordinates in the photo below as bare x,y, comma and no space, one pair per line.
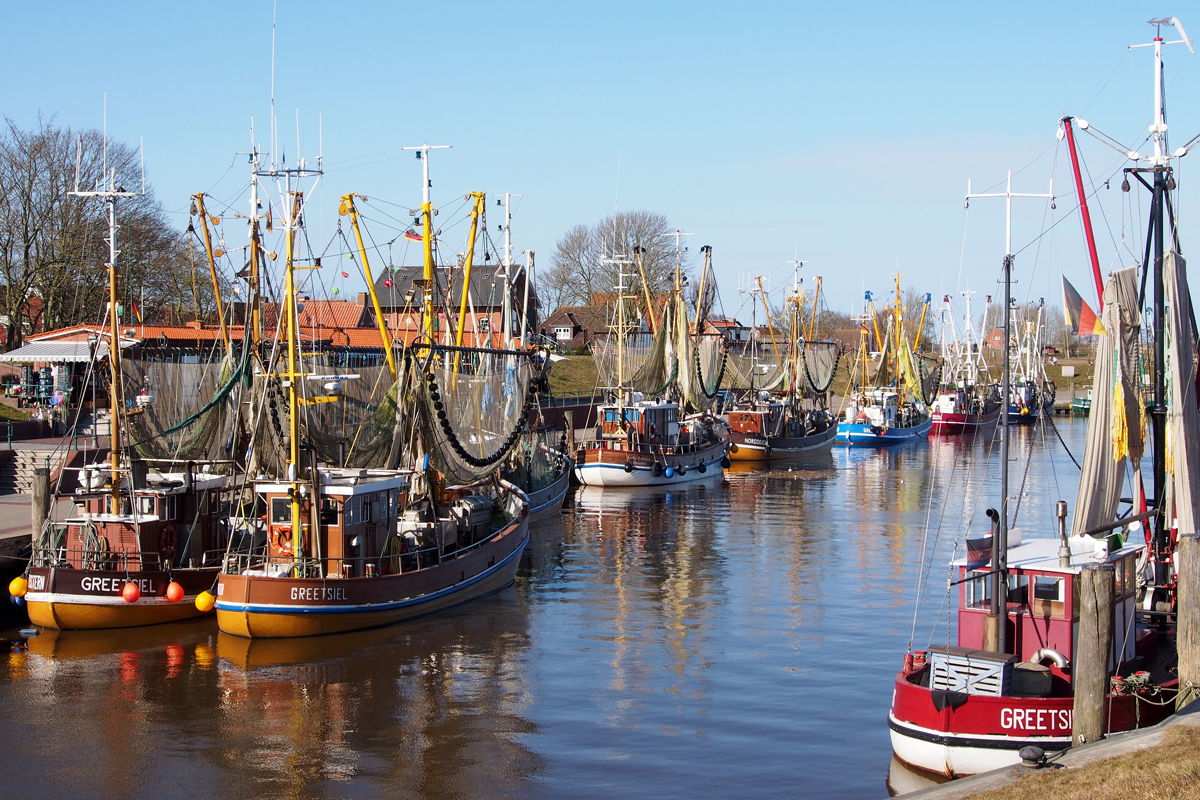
402,708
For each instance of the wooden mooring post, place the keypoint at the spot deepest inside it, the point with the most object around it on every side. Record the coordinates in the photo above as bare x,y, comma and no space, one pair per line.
41,500
1187,621
1090,671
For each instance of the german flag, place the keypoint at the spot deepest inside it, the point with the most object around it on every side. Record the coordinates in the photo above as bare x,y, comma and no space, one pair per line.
1080,317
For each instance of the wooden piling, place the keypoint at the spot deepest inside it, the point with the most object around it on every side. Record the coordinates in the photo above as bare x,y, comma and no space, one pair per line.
41,500
569,423
1187,642
1092,650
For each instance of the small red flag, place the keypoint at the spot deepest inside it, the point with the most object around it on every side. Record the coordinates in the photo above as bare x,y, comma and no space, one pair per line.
345,274
415,237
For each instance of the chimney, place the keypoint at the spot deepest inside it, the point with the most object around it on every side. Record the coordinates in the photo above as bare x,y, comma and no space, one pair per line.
362,298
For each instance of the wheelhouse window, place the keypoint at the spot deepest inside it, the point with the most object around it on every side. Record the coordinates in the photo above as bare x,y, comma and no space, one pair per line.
329,511
281,511
979,591
145,506
1048,596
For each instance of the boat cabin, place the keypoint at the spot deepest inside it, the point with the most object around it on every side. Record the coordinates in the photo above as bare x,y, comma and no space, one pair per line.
642,423
879,407
170,520
358,511
1043,597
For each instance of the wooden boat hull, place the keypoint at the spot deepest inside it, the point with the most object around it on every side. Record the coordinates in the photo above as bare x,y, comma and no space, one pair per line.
854,433
604,467
66,598
547,502
748,447
970,734
963,424
256,606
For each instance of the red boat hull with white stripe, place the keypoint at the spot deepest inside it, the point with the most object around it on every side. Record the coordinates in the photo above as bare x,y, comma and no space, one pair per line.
963,424
984,733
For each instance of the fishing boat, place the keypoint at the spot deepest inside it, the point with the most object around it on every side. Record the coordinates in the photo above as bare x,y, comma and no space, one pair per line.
1010,681
146,536
890,411
644,435
766,426
356,546
967,401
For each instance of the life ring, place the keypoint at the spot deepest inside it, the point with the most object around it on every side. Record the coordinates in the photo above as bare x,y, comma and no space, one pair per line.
167,541
283,540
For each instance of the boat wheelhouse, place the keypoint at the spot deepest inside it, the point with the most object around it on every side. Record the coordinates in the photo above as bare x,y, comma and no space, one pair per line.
962,709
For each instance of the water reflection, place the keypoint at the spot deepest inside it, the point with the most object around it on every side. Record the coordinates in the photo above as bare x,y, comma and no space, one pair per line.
737,634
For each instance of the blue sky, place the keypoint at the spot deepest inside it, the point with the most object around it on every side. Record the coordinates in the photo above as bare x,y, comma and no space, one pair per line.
848,133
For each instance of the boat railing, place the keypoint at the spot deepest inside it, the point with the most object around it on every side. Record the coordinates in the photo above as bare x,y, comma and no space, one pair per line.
91,558
258,562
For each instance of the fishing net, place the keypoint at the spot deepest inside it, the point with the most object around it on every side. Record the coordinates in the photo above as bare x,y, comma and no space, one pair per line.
643,365
819,361
930,370
539,460
747,374
472,415
709,358
358,429
1183,454
188,410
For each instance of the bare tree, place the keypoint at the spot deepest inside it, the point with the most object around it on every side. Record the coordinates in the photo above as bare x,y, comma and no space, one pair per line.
580,275
53,253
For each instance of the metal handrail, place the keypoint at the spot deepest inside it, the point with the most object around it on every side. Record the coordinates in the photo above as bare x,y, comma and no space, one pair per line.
313,567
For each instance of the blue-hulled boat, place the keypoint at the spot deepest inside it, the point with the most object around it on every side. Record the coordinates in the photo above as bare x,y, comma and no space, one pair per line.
877,418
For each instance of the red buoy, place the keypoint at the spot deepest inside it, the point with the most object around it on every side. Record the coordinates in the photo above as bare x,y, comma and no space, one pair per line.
130,592
174,592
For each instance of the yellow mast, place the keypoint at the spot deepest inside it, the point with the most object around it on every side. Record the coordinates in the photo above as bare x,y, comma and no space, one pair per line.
707,250
476,214
812,322
638,250
212,268
347,207
770,327
289,301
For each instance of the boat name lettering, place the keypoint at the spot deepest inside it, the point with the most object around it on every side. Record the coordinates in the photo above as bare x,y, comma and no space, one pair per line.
1035,719
759,442
115,585
318,593
37,583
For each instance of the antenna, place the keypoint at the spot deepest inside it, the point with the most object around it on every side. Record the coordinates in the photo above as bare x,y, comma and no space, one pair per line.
142,151
105,145
274,141
78,158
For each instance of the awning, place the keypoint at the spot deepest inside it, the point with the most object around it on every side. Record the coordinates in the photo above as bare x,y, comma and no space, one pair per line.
53,352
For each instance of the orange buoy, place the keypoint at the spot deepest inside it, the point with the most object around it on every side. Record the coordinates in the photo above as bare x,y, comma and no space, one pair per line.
130,592
205,602
174,592
18,587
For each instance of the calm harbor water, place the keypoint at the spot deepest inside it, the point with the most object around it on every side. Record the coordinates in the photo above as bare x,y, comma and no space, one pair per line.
732,637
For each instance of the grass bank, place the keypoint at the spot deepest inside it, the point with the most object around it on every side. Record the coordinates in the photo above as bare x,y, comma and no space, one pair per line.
1170,771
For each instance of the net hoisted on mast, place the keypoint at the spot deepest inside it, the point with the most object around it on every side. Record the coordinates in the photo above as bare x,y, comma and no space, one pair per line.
472,416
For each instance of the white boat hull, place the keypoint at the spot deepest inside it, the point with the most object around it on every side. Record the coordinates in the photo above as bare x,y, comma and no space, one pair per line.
956,756
601,474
